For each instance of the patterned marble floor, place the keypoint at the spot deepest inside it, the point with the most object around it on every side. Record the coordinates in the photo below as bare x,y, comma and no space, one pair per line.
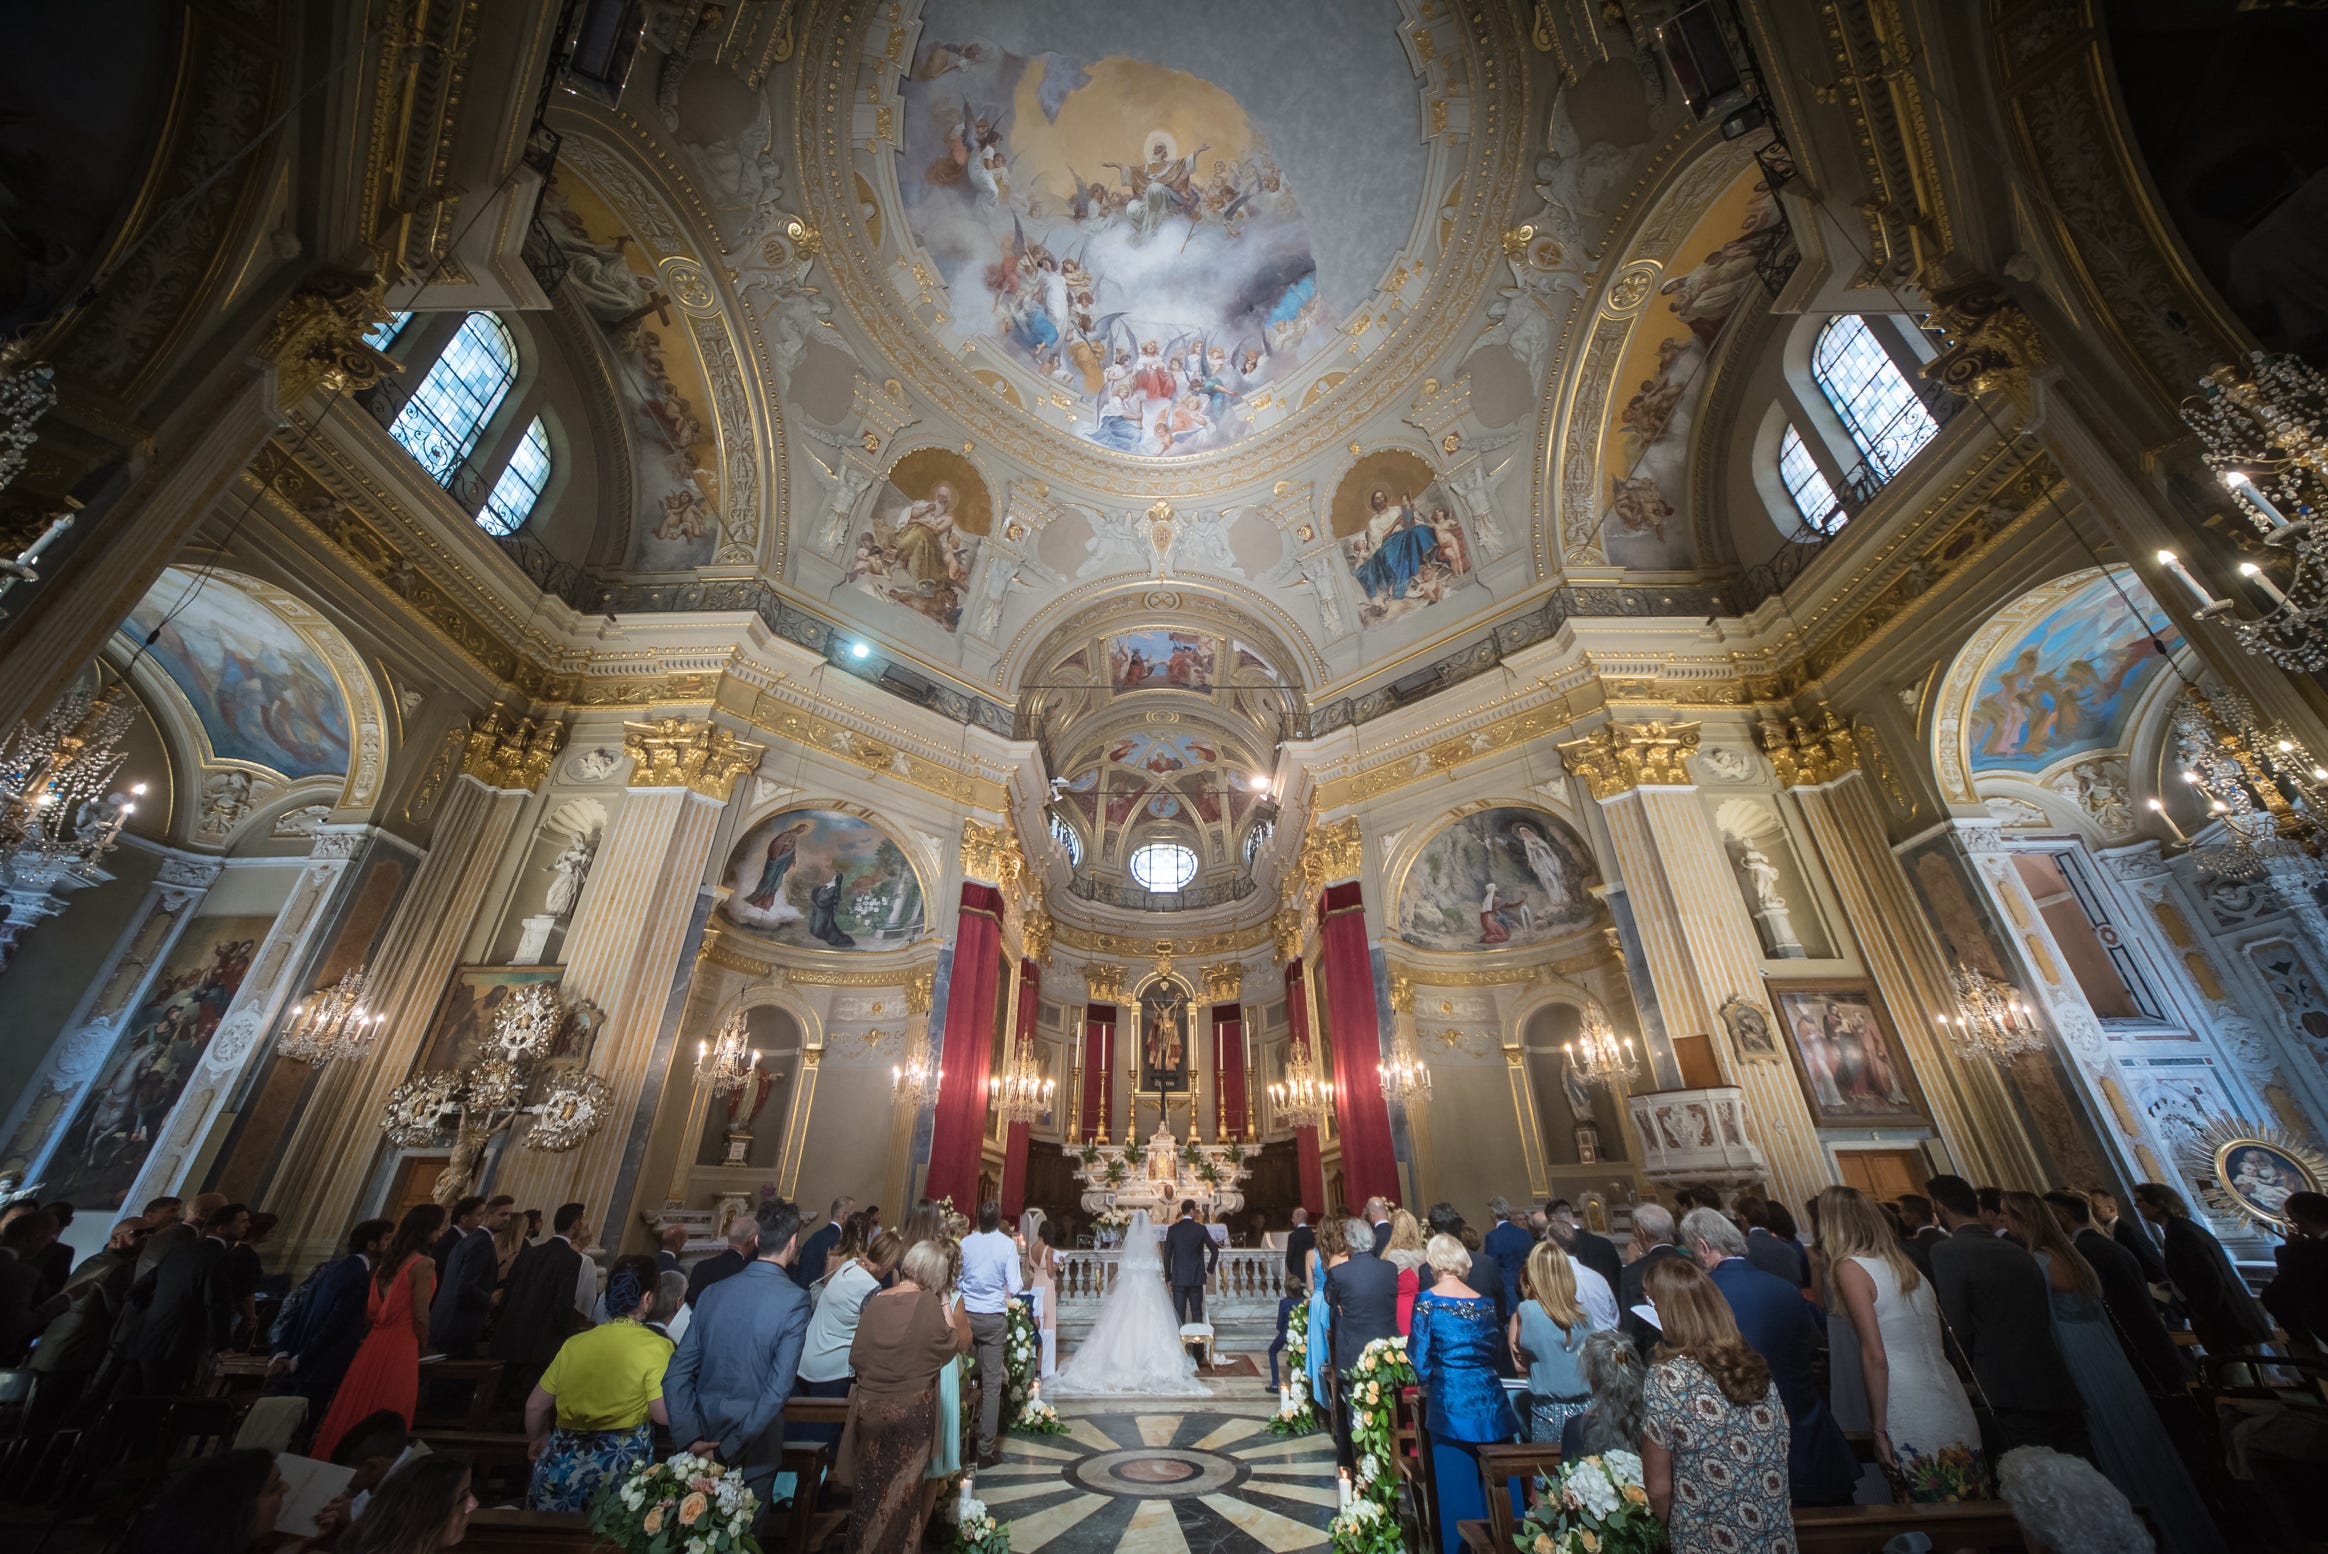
1148,1480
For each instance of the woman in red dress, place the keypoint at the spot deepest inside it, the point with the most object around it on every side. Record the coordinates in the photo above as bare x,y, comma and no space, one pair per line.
386,1371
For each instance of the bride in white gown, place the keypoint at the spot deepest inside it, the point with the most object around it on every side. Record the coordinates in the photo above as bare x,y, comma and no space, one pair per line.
1134,1346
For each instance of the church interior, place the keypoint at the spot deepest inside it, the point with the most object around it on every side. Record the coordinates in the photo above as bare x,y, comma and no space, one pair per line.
666,605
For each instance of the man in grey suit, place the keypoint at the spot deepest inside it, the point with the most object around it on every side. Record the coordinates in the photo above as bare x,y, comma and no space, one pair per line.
729,1378
1995,1299
1363,1292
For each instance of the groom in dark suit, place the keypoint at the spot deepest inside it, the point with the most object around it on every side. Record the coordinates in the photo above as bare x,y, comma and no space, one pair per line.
1189,1255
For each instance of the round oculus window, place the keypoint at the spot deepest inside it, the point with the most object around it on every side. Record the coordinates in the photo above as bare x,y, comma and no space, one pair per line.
1163,867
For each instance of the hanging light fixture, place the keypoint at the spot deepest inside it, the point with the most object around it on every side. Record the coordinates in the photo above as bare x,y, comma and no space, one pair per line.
1990,1020
2262,790
726,1063
1020,1093
916,1083
1598,1055
331,1023
27,391
58,814
1303,1098
1406,1077
2266,436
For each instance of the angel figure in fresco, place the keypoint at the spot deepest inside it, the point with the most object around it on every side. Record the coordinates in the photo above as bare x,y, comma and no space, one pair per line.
782,849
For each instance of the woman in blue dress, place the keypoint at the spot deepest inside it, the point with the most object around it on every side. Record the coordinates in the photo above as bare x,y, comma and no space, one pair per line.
1327,1253
1453,1349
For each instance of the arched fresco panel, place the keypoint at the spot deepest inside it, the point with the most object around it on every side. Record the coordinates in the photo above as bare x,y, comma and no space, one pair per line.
1498,878
820,879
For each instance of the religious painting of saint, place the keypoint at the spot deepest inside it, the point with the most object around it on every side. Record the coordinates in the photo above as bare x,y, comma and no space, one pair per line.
1497,879
472,1000
2262,1176
2070,683
260,690
1853,1070
927,524
823,880
121,1115
1161,660
1164,1021
1400,534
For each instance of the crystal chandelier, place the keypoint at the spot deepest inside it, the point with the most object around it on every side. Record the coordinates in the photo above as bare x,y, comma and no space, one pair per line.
726,1063
1302,1099
1406,1077
1990,1020
2260,787
331,1023
917,1083
26,393
1599,1056
58,814
475,1103
1020,1092
2266,435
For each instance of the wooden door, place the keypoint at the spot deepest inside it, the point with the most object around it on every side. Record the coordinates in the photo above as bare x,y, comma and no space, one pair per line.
1882,1174
416,1178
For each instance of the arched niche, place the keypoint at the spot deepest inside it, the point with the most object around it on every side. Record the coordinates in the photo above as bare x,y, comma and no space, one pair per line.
754,1121
1539,870
1563,1104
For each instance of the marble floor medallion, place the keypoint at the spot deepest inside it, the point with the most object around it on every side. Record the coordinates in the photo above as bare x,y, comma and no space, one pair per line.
1157,1483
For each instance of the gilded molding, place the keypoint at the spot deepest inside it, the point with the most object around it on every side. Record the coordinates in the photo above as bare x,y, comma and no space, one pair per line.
512,753
1402,993
1805,752
1232,941
1992,344
1616,758
677,753
317,339
991,853
1103,982
1329,853
1287,928
1224,983
1036,931
922,990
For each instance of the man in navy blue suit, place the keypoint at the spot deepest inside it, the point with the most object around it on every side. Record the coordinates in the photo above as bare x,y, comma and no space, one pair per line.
809,1266
333,1320
1778,1325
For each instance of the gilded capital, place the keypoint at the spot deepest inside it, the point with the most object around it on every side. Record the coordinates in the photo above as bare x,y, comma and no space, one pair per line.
1224,983
1330,853
1620,757
921,990
317,339
1286,929
991,853
512,753
1103,982
1804,752
1992,345
1035,931
1402,993
674,753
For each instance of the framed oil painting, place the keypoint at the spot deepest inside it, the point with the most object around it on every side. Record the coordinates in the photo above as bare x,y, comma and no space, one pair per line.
1749,1029
1853,1070
2250,1168
464,1016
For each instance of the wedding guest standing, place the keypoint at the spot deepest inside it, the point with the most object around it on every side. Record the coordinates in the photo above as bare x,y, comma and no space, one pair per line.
1547,1337
189,1309
2142,1333
1509,1243
1883,1330
904,1341
2298,1293
743,1241
2130,1445
1041,1268
1404,1252
73,1345
832,1328
1453,1350
1616,1375
1653,1234
334,1318
1993,1298
990,1277
740,1356
1714,1444
2222,1313
1362,1292
468,1273
385,1373
809,1266
1330,1251
587,1420
550,1295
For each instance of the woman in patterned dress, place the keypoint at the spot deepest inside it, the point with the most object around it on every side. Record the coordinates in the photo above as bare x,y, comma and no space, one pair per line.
602,1389
1714,1455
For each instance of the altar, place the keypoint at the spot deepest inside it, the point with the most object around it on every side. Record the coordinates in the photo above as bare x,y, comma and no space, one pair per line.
1159,1176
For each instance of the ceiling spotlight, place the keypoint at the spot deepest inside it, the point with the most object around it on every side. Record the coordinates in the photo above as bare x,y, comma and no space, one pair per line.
1260,782
859,650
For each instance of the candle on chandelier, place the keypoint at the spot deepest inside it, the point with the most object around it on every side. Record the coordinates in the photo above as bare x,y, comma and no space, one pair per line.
2159,810
2206,601
2240,481
2271,591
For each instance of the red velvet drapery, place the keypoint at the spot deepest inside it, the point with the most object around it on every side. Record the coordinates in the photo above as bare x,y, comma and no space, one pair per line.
1369,1168
1305,1140
958,1133
1228,1022
1099,1027
1014,1148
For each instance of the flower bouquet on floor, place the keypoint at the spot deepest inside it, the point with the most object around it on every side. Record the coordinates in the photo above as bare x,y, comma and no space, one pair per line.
1594,1505
1295,1415
1366,1526
683,1502
1022,1349
1382,1370
975,1531
1036,1417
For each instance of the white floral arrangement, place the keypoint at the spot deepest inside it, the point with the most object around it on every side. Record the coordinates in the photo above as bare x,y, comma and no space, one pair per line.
1294,1414
1037,1417
1366,1526
1022,1349
683,1502
1597,1504
975,1530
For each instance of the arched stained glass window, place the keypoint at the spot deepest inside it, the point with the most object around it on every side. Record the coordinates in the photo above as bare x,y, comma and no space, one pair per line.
1879,407
1813,497
439,425
1163,867
520,485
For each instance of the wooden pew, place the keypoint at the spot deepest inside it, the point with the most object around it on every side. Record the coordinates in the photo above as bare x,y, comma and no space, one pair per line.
1986,1525
531,1532
809,1525
457,1394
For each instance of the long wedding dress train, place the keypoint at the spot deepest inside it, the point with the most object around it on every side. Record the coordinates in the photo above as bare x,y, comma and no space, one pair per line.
1134,1345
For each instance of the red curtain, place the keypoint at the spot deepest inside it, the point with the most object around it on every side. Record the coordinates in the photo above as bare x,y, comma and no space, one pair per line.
1099,1023
1228,1071
958,1132
1369,1168
1305,1140
1014,1149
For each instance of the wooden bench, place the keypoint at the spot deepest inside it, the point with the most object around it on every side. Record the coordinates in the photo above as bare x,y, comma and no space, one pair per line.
1986,1525
809,1525
531,1532
499,1458
1499,1465
457,1394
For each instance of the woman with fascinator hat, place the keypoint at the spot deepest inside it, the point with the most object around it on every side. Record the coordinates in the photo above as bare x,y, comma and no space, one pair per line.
602,1390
